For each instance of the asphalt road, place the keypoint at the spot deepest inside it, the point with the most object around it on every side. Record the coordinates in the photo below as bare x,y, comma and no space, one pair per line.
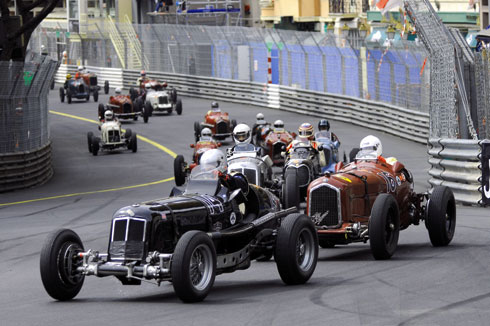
420,285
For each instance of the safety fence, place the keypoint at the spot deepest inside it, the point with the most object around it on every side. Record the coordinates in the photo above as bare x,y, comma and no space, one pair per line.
397,74
25,151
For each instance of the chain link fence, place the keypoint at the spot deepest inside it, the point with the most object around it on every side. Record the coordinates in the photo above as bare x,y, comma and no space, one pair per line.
397,74
482,81
24,103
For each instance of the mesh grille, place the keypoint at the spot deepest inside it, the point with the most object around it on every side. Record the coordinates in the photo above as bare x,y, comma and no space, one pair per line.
277,149
162,100
324,206
93,81
127,108
128,244
114,136
221,127
81,88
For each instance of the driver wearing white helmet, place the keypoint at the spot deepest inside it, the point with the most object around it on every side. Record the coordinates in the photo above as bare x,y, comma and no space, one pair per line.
242,135
118,91
206,135
371,148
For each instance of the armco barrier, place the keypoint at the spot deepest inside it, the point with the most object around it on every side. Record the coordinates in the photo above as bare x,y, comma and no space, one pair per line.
456,163
113,75
25,169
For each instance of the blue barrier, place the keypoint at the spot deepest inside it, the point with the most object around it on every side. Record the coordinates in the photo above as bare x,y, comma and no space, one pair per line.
275,66
334,69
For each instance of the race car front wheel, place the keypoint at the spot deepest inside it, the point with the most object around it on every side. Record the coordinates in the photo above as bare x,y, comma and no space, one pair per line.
441,216
384,227
59,262
296,251
193,266
106,87
90,135
179,170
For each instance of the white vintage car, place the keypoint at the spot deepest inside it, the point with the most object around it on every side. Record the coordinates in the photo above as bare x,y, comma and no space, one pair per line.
163,100
246,159
112,137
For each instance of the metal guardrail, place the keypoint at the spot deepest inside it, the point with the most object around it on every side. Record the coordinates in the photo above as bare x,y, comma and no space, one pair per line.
456,163
113,75
25,169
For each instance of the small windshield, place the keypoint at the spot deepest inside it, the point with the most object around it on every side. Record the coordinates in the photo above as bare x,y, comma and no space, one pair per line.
300,152
203,180
244,148
204,172
367,154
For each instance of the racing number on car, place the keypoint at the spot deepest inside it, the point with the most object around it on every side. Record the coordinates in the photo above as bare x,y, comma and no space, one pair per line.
390,181
213,205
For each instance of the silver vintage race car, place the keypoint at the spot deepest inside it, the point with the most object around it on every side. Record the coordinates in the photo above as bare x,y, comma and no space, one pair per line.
161,99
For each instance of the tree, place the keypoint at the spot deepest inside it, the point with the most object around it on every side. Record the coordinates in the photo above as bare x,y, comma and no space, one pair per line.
16,30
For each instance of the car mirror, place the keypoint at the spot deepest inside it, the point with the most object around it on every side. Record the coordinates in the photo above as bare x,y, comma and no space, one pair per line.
398,167
192,145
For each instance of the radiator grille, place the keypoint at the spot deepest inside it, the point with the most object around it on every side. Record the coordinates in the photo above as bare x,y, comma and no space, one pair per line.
128,238
162,100
93,80
81,88
277,149
324,206
114,136
221,127
127,108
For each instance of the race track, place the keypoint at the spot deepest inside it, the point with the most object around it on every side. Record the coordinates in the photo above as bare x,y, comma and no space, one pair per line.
420,285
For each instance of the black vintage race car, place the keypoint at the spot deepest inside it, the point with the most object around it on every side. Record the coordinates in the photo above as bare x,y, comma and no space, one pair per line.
187,239
77,89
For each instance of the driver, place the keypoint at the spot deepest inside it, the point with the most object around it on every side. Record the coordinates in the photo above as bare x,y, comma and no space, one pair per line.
215,159
305,135
206,135
142,78
278,126
118,91
108,115
147,87
215,107
242,135
370,148
324,131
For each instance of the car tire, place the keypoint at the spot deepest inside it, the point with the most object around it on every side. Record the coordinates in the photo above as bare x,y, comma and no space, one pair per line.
101,110
133,142
90,135
68,96
173,95
326,244
178,107
62,94
179,173
58,262
194,251
441,216
133,94
233,124
291,193
296,251
384,227
95,145
352,154
127,135
147,111
96,96
52,84
106,87
197,131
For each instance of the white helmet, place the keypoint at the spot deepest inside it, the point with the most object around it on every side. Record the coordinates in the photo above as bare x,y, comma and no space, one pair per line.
213,158
118,90
206,134
108,115
147,86
80,68
260,119
370,148
279,124
242,134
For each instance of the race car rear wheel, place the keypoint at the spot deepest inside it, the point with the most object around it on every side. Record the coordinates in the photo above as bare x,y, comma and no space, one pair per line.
384,227
96,96
62,94
173,94
147,111
291,191
68,96
179,170
95,145
193,266
441,216
178,107
296,251
133,142
58,264
90,135
127,136
101,109
352,154
233,124
133,93
106,87
197,131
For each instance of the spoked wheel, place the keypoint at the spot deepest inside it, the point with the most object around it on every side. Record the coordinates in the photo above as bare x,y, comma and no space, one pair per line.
106,87
59,262
96,96
197,131
384,227
441,216
193,266
296,251
291,191
179,170
133,143
178,107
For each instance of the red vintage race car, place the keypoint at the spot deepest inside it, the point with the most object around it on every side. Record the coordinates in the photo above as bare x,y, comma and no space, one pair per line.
90,79
124,108
373,200
219,123
274,141
182,169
